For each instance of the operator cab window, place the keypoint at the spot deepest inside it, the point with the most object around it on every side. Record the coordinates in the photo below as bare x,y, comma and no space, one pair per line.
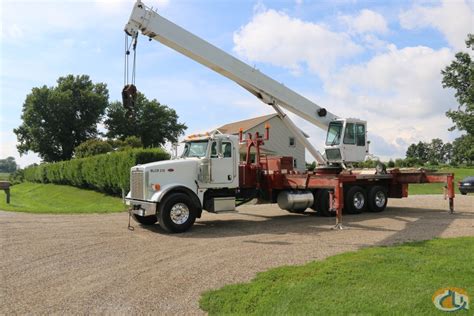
334,133
349,135
360,129
226,150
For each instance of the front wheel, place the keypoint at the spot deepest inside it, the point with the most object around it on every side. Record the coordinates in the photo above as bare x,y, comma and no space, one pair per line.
177,213
377,198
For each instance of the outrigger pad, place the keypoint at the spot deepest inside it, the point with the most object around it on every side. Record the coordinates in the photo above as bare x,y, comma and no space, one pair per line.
129,96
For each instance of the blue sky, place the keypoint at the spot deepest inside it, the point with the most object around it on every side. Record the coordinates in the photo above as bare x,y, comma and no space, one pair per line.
375,60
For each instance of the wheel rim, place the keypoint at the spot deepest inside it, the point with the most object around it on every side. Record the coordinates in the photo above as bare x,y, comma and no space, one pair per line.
380,199
358,200
179,213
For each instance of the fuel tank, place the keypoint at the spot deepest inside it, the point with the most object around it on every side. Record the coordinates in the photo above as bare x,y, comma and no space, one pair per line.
299,200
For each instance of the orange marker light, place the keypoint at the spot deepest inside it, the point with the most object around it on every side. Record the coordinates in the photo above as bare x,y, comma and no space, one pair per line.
156,187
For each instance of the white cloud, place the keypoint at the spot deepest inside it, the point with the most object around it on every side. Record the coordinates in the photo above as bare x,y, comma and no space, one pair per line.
399,93
454,19
367,21
276,38
40,19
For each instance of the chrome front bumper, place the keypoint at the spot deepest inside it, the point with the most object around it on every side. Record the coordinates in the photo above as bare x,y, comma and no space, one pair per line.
141,208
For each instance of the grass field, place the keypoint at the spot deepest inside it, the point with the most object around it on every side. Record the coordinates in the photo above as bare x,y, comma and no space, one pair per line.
4,176
379,280
52,198
437,188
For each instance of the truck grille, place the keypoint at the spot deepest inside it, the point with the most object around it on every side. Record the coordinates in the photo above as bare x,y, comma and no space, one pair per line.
136,184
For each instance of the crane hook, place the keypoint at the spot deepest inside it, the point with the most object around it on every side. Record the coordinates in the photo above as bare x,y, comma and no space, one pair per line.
129,96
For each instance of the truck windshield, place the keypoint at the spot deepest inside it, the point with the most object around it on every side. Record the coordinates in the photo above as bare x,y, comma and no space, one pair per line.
334,133
195,149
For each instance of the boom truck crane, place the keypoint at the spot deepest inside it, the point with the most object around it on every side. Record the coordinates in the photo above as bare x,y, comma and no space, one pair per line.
209,175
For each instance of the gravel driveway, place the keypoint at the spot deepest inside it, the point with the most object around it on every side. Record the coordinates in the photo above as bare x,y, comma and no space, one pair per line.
93,264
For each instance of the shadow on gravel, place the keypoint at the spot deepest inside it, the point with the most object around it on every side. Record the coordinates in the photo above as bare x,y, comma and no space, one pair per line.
421,223
277,225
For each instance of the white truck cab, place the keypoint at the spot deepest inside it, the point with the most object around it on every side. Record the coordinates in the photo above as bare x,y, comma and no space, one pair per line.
177,190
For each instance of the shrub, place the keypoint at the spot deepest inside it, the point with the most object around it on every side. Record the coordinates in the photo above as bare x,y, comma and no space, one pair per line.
106,173
16,177
92,147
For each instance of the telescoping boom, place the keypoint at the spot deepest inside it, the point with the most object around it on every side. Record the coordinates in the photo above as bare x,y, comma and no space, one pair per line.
269,91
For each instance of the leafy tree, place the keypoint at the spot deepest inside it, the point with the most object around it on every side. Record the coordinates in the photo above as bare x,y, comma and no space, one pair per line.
447,152
391,163
8,165
436,153
412,151
419,152
127,143
311,166
399,162
97,146
93,147
57,119
459,75
463,149
152,122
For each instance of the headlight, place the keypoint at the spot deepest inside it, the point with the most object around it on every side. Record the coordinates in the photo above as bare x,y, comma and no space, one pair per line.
466,184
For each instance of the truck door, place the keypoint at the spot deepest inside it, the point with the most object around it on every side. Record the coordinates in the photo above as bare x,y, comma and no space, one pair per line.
354,141
222,166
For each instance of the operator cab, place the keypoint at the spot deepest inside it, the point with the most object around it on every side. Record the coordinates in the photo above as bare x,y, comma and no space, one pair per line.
346,141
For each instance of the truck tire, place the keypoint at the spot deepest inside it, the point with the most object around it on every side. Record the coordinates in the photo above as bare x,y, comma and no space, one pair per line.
145,220
321,204
377,199
355,200
176,213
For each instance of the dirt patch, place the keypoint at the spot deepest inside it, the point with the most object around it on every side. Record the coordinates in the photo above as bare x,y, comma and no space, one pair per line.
93,264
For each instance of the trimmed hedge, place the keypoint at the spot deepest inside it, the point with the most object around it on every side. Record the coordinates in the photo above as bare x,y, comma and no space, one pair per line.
106,173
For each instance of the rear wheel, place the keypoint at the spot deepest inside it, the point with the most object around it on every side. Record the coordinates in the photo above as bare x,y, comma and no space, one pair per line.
321,205
177,213
378,198
355,200
145,220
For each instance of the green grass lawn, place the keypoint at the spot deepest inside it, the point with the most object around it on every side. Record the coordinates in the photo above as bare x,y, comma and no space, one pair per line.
52,198
437,188
4,176
378,280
